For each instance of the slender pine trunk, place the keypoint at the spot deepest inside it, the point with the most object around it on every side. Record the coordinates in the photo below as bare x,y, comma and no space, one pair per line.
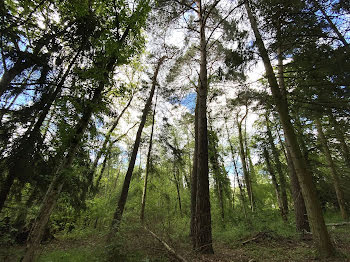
318,226
275,184
125,189
148,165
246,174
57,182
340,137
336,180
194,180
278,165
203,215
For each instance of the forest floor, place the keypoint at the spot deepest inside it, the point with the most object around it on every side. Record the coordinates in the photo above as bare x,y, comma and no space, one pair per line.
136,244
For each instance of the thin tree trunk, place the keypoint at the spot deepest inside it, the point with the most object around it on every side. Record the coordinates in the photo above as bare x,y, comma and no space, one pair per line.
244,163
203,215
177,184
331,24
214,160
125,189
57,182
241,190
336,180
278,166
318,227
148,165
31,137
301,221
107,158
340,137
243,202
275,184
102,151
194,180
5,189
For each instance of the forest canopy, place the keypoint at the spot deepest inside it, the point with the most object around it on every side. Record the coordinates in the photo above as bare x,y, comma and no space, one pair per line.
174,130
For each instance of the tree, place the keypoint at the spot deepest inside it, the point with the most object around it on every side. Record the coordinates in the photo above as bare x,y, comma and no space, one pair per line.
313,207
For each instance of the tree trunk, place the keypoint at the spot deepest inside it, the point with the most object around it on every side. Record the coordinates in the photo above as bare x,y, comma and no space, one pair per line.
57,183
125,189
278,166
244,164
102,151
301,220
340,137
177,184
275,184
30,141
336,180
194,180
318,227
243,202
203,215
216,169
331,24
5,189
148,165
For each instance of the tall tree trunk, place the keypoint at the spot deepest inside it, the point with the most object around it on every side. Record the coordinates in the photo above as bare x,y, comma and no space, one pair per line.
203,215
336,180
242,155
5,189
318,226
125,189
31,140
194,180
340,137
177,184
102,151
243,202
301,221
216,169
57,182
148,165
241,190
331,24
275,184
278,166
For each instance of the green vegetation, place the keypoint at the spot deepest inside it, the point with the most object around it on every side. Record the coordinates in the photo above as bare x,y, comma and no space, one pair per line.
170,130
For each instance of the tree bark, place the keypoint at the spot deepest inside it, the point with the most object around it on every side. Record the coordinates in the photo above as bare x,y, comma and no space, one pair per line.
243,201
30,141
203,215
301,221
340,137
102,151
125,189
177,184
242,155
275,184
194,180
5,189
148,165
278,165
318,227
57,182
336,179
331,24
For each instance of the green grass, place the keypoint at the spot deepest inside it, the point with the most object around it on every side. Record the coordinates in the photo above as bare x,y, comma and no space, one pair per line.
80,254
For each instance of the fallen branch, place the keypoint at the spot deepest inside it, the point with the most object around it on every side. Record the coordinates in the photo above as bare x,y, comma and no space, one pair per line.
168,248
338,224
